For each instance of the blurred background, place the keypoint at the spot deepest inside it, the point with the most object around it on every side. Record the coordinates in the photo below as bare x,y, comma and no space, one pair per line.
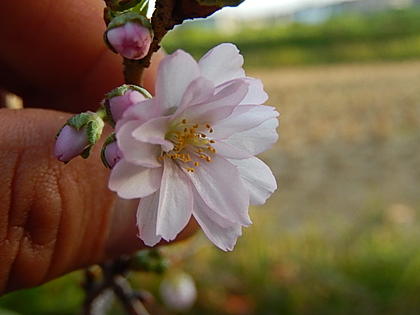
342,233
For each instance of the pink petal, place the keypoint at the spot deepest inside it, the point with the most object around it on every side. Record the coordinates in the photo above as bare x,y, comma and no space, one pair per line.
199,91
141,112
70,143
222,63
153,131
131,181
229,151
243,118
175,74
134,151
256,94
222,235
257,178
256,140
220,105
219,185
175,202
146,219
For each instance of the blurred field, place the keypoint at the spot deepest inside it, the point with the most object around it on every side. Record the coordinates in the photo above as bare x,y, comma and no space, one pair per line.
342,234
385,36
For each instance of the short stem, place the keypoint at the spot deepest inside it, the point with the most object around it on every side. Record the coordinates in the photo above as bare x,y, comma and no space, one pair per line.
101,112
133,72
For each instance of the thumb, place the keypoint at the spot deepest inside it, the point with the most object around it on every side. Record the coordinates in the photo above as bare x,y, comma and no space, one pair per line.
54,218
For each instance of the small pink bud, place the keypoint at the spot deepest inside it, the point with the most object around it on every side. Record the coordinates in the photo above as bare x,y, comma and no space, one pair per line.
70,143
131,40
119,104
111,154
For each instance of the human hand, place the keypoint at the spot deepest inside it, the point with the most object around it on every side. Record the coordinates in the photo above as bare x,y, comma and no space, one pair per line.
55,218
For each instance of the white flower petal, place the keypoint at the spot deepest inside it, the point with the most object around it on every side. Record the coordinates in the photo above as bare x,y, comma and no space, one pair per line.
257,178
220,105
243,118
222,221
199,91
223,236
256,94
255,140
153,131
219,185
134,151
140,112
175,74
229,151
222,63
131,181
175,202
146,219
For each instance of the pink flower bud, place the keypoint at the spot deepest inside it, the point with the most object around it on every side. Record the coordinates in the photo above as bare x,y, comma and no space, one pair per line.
70,143
111,154
119,104
131,40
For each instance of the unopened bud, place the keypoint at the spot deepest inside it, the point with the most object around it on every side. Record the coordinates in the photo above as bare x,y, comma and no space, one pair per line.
130,34
120,99
111,154
78,136
70,143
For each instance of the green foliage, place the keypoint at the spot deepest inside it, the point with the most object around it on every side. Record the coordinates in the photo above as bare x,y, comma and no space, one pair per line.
391,35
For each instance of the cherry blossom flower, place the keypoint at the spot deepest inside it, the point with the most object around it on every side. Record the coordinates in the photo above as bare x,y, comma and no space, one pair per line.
190,150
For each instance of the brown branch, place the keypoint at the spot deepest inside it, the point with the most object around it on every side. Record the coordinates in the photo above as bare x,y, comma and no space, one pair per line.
162,22
127,296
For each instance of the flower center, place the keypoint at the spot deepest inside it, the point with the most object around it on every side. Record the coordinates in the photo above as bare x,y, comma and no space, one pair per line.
191,144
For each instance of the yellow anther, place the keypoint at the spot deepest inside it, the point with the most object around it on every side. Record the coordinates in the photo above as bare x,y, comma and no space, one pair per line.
184,121
196,164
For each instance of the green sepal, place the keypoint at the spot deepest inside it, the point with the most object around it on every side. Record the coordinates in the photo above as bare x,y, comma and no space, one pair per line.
220,3
130,16
111,138
94,129
121,90
118,7
92,124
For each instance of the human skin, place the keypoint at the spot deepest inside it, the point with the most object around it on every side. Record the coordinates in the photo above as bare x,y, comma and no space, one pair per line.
55,217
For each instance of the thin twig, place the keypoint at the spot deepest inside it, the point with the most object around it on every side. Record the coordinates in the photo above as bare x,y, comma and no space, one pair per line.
127,296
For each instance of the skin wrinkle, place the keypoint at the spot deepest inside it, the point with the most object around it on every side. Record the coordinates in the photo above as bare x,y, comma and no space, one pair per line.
13,250
35,186
48,249
60,222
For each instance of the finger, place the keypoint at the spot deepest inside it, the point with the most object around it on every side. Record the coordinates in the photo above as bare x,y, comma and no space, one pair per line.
54,49
54,218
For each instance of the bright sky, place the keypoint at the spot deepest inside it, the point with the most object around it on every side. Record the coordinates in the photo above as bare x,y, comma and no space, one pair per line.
261,7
